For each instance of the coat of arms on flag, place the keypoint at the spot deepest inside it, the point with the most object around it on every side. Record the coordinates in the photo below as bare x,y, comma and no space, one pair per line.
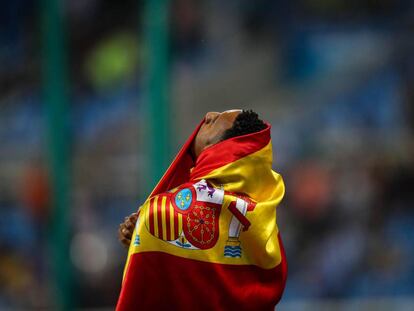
187,217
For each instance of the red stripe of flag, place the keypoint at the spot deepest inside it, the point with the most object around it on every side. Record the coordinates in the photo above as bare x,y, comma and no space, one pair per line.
229,287
175,224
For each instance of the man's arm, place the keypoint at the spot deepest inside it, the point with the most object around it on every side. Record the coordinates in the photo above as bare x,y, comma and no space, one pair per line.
126,229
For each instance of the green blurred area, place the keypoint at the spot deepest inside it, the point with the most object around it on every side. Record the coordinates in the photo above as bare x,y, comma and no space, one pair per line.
113,61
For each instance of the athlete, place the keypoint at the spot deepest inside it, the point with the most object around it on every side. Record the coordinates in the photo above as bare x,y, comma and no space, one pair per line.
207,238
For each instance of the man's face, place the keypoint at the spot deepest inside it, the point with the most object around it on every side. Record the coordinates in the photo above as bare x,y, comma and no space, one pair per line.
213,128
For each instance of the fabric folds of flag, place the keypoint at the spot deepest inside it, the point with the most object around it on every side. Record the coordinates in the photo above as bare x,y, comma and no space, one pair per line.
207,238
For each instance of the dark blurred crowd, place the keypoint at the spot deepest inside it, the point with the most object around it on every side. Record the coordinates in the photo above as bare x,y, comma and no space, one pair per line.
344,147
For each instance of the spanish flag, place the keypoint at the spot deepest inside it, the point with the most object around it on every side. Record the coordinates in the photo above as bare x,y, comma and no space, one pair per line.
207,238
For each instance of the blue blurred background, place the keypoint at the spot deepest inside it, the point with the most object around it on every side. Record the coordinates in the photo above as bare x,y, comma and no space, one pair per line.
335,78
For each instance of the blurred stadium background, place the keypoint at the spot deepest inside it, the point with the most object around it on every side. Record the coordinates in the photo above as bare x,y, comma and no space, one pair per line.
87,86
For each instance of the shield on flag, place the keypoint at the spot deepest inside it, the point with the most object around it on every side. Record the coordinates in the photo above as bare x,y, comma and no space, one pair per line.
201,224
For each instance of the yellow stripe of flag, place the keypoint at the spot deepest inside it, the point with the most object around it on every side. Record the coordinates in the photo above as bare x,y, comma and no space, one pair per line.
180,222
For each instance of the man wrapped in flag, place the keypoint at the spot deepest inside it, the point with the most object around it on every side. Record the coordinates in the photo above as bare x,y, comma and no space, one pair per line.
207,238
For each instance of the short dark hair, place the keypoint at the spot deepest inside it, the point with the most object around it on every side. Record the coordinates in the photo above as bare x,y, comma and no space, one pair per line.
245,123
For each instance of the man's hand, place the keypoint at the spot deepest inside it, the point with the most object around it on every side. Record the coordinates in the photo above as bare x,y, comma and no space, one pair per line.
126,229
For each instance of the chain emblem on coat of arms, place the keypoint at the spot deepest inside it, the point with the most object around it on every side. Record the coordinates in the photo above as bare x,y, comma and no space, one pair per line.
201,224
